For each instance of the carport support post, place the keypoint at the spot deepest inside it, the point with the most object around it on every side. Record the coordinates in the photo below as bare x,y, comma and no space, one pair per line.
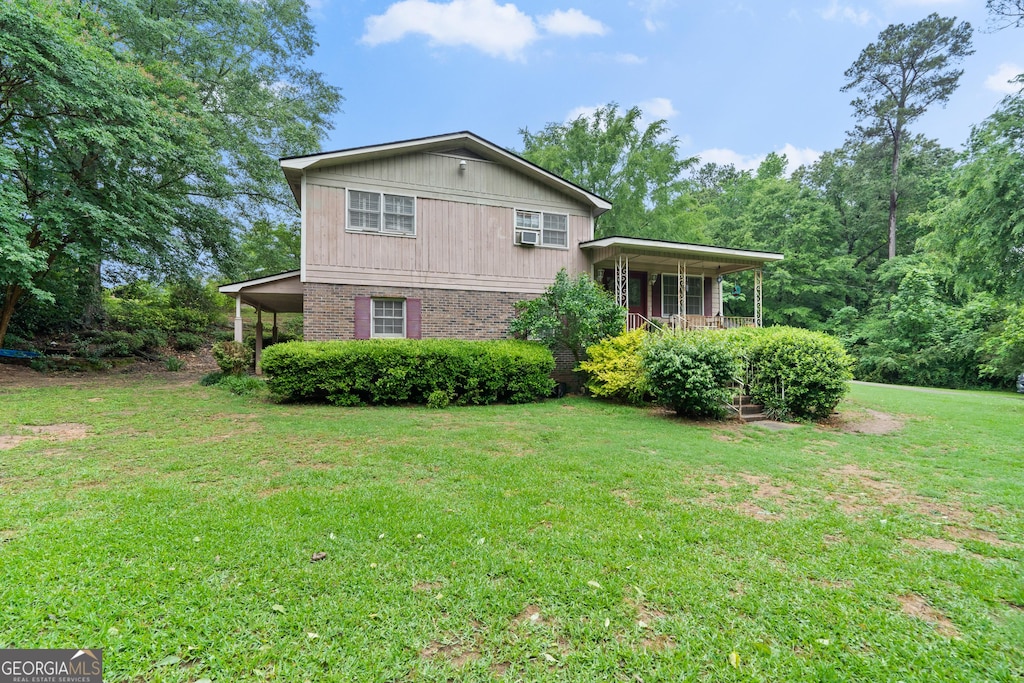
238,318
259,337
274,332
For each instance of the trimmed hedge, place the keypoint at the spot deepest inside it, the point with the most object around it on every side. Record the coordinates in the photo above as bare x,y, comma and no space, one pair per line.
795,372
390,371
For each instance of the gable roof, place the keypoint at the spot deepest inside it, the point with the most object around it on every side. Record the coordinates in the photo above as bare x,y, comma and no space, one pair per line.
463,143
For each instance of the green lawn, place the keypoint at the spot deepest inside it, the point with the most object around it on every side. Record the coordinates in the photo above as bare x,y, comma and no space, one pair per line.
571,540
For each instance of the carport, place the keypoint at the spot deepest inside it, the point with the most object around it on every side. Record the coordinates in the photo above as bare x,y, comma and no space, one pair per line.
281,293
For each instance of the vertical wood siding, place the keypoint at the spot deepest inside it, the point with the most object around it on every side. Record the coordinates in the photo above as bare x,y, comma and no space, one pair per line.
457,244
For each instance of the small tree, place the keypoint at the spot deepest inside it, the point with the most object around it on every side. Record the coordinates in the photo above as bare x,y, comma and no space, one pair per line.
572,314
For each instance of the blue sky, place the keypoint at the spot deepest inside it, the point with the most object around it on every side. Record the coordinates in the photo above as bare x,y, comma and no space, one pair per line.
734,80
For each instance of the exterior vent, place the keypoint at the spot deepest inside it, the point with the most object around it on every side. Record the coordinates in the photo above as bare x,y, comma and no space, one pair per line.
528,238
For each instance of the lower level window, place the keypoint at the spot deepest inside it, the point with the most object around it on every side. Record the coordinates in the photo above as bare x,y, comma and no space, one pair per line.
388,317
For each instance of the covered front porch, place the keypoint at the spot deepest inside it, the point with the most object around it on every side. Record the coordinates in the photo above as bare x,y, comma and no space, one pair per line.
673,284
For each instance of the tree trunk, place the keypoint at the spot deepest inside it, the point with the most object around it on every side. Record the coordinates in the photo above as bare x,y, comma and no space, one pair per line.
11,296
893,193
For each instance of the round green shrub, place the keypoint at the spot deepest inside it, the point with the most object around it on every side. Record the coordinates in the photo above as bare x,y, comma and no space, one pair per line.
691,372
233,358
797,372
614,369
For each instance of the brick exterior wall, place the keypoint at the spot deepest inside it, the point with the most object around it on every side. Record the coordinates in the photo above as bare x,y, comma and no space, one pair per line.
329,311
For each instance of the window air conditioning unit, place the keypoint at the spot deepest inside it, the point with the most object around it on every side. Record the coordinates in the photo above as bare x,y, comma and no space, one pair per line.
528,238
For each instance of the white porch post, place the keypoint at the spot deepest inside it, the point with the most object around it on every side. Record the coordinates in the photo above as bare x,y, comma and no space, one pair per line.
238,318
758,277
622,281
259,337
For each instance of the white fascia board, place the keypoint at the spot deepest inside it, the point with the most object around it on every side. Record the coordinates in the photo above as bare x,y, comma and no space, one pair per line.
236,287
694,249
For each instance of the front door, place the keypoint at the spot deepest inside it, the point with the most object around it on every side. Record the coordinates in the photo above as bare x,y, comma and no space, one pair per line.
636,293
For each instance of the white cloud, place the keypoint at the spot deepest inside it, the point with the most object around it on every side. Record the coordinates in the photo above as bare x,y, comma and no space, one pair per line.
1000,80
652,110
629,58
837,12
798,156
584,110
795,157
651,8
571,23
496,30
658,108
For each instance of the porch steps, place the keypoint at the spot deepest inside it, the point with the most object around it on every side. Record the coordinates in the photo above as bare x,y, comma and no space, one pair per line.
747,411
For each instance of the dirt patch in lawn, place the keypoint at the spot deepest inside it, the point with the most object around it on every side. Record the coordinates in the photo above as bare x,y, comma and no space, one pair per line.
646,614
867,490
457,653
971,534
426,586
658,643
765,490
929,543
914,605
63,431
530,615
868,422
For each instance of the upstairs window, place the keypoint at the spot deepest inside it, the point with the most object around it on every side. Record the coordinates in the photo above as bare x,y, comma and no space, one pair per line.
556,230
383,213
553,228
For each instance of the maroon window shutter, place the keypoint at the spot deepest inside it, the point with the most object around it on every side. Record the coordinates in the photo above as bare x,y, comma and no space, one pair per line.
413,318
656,301
707,296
362,317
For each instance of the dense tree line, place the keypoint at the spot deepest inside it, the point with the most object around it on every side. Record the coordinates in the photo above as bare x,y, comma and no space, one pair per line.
142,138
938,301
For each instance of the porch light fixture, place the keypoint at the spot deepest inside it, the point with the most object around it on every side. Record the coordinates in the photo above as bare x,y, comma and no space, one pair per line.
462,165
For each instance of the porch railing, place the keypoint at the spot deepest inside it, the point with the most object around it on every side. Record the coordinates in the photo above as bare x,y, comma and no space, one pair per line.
635,321
688,322
711,322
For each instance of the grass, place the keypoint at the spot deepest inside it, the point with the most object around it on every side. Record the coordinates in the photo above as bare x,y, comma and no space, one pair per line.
571,540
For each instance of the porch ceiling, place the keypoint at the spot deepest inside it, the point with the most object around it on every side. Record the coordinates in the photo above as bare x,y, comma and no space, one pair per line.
280,293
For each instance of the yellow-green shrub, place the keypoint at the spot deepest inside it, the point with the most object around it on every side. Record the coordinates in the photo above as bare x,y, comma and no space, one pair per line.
614,369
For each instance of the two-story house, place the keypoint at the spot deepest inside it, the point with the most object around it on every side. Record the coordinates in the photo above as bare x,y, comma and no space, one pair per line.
440,236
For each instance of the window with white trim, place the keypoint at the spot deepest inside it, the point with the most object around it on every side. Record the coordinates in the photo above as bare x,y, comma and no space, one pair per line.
387,318
553,228
694,296
392,214
556,230
670,295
